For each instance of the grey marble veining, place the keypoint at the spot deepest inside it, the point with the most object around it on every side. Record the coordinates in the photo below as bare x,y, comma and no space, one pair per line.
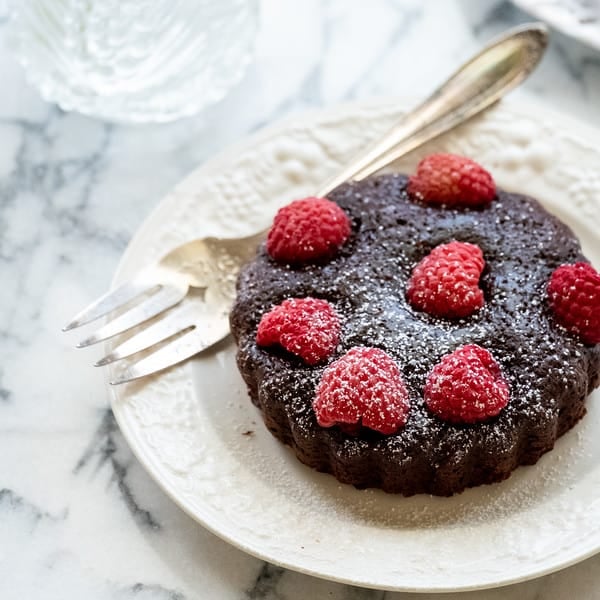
79,518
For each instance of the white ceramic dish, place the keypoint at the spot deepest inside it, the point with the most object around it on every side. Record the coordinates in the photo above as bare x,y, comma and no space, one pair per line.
199,437
579,19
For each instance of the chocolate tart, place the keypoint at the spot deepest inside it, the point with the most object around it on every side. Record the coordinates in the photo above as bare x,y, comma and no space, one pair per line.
550,371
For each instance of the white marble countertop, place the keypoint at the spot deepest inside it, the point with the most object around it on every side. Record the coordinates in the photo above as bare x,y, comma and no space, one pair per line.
79,517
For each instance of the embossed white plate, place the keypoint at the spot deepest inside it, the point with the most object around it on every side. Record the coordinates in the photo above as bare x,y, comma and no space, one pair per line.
197,434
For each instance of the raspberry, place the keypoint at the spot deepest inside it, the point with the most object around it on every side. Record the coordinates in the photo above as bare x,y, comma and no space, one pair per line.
363,387
306,327
466,386
451,180
574,296
307,230
446,282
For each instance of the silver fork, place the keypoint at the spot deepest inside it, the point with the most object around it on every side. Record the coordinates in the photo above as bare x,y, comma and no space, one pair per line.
210,266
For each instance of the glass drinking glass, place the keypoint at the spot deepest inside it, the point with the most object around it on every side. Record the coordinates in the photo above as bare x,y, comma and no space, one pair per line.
134,60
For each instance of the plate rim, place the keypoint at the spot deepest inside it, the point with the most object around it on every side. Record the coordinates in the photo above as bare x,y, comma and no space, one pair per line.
524,106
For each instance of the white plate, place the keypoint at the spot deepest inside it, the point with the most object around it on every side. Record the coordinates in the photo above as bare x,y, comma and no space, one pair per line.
579,19
197,434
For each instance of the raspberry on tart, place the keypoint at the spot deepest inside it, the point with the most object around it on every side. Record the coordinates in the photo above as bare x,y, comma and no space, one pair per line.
574,297
453,181
466,386
446,282
363,387
307,327
307,230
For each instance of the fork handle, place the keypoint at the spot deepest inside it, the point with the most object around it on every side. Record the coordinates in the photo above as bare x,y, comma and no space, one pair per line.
479,83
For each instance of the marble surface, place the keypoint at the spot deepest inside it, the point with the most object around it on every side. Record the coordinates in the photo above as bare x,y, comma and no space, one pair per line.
79,517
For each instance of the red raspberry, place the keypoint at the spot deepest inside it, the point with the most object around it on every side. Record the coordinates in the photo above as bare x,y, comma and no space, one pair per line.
453,181
466,386
306,230
306,327
446,282
574,295
363,387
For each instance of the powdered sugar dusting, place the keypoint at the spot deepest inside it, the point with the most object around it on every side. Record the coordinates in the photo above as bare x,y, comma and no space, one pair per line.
547,371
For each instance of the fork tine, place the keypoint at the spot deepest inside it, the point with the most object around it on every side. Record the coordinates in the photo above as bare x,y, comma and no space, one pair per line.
179,350
176,322
167,296
109,302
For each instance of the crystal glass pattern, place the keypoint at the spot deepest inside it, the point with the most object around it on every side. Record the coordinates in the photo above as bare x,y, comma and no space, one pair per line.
134,60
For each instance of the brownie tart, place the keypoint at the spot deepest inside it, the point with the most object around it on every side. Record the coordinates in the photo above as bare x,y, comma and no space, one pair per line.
419,334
